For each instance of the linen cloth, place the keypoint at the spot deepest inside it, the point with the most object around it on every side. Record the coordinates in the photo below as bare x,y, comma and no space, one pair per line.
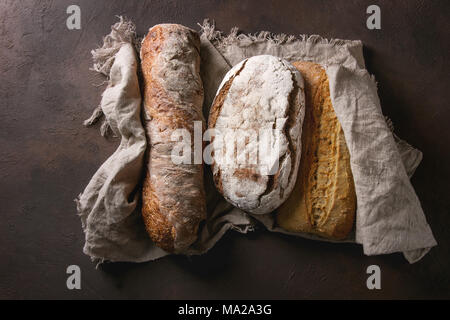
389,216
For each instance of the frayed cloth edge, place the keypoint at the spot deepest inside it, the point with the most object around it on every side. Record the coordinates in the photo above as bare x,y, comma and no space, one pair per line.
220,40
122,32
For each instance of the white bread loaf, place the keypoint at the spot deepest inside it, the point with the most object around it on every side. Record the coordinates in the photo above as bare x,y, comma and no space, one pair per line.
262,92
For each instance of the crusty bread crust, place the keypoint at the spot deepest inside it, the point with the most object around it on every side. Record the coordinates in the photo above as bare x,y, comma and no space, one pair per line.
323,200
268,94
173,196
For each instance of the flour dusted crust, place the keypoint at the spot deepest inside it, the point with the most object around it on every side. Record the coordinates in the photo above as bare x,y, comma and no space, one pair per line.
323,201
173,196
260,92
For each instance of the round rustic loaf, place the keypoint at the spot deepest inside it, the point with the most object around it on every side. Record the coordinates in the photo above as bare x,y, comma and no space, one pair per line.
257,115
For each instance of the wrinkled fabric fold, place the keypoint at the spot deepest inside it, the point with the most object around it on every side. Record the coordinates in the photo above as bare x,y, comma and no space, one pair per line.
107,207
389,215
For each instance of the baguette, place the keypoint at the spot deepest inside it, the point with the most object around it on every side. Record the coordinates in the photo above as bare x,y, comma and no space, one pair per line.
323,201
173,196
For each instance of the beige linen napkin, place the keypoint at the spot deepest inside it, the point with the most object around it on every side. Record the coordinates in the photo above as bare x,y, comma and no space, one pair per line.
389,215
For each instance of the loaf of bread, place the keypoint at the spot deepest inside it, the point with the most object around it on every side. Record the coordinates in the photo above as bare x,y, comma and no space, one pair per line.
173,196
323,201
260,99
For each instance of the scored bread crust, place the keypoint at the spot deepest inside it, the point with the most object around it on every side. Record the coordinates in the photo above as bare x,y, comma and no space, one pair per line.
173,196
259,92
323,201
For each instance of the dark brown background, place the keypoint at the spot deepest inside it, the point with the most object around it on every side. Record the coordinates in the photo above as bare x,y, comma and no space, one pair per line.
47,157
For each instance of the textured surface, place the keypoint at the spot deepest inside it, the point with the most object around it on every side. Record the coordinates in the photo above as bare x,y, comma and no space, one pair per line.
173,195
261,102
47,157
323,200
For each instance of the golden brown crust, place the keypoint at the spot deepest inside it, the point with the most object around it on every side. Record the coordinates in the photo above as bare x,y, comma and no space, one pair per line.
173,195
156,224
323,200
